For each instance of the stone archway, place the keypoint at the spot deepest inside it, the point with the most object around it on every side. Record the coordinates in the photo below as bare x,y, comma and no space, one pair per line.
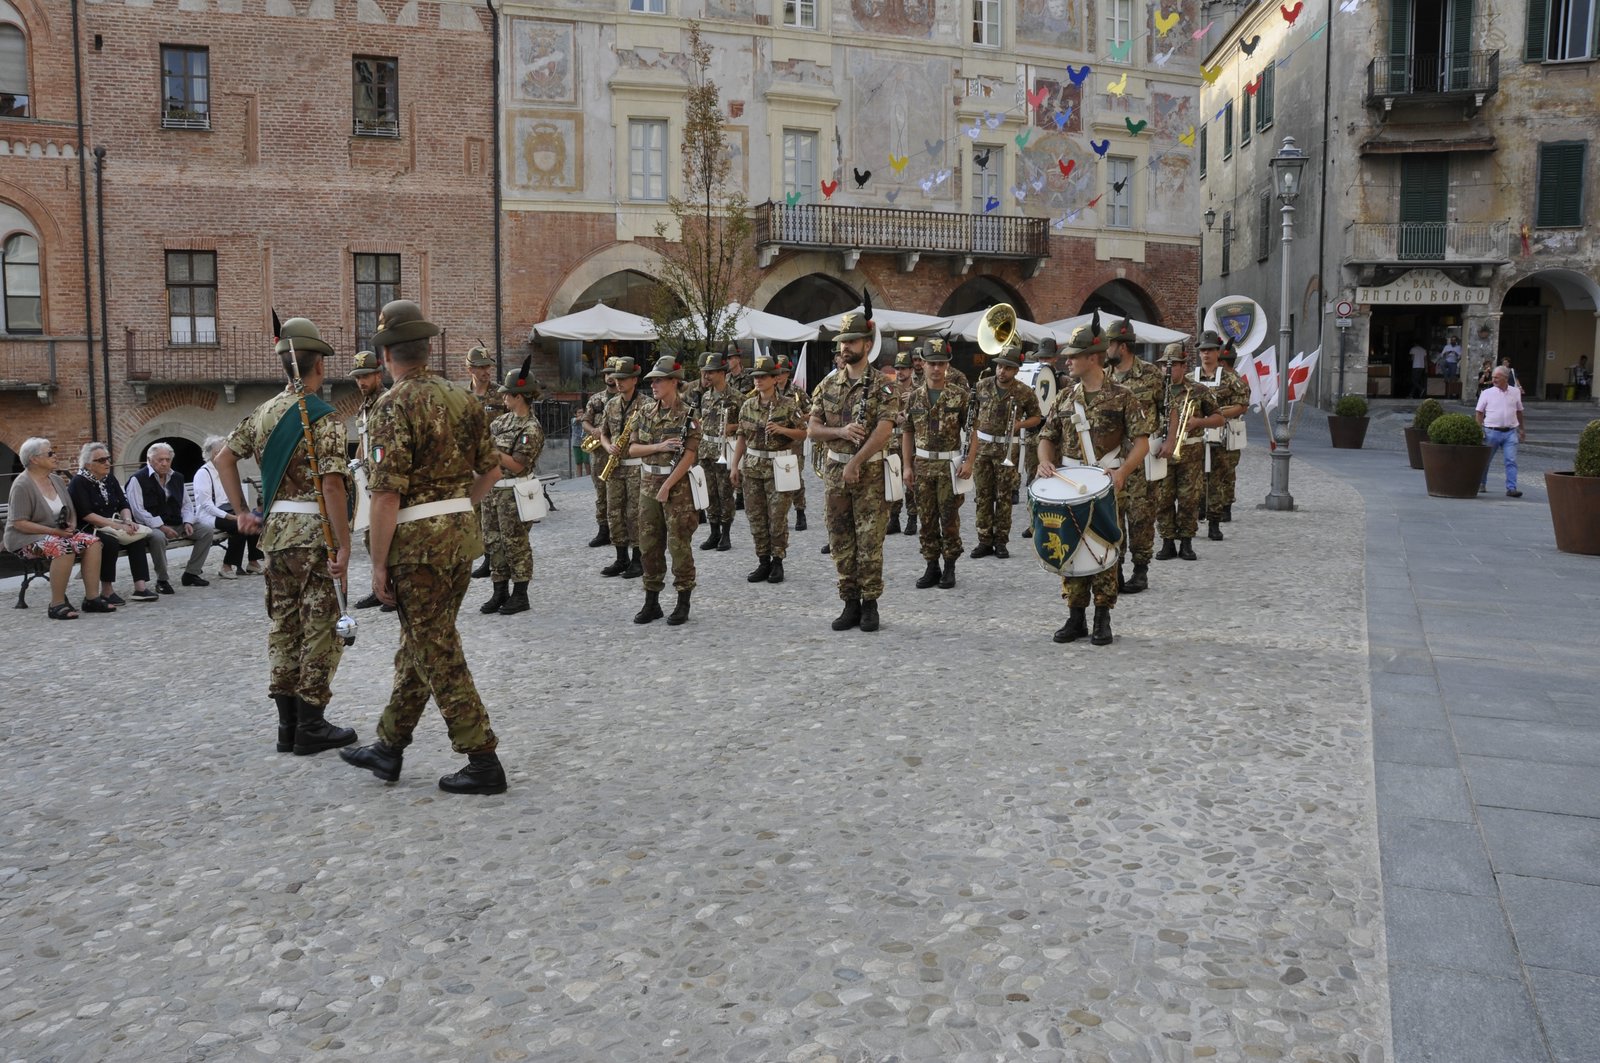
1549,326
618,258
982,292
184,436
1122,298
811,297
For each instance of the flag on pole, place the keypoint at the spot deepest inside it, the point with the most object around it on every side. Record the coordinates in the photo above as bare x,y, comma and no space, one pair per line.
1300,370
1262,376
798,377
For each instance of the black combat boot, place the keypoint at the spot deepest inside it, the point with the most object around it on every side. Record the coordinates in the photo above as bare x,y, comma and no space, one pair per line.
948,578
1122,583
1213,531
1001,552
496,600
651,610
288,716
369,602
1027,533
635,567
380,758
776,575
762,571
313,733
869,615
483,568
714,538
799,520
700,515
1186,550
738,500
982,550
619,566
1075,628
827,548
1140,580
1227,513
602,537
930,575
727,537
850,617
482,775
911,523
518,602
894,523
1102,626
1168,551
680,612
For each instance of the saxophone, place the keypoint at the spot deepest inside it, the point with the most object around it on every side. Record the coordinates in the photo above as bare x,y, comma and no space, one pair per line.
623,441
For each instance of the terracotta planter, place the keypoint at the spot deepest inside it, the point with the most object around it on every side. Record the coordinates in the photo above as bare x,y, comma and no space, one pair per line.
1348,432
1453,471
1413,451
1574,511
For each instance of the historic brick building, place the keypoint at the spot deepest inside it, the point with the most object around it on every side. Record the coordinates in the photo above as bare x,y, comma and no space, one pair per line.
315,156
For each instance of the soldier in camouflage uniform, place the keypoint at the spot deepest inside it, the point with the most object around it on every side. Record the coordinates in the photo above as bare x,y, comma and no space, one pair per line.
743,384
1224,490
771,423
1003,405
1119,430
803,403
901,374
1178,496
519,438
935,413
480,379
303,646
1046,352
715,405
1139,516
852,414
954,376
666,437
432,460
622,490
593,411
1233,399
368,375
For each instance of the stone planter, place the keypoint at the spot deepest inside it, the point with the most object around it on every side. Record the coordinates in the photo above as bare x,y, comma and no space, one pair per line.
1574,511
1348,432
1413,450
1453,471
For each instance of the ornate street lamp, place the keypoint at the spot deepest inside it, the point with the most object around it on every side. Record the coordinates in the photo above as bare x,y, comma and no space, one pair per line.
1287,167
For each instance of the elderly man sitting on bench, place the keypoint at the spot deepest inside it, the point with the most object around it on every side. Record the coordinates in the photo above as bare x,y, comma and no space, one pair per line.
157,500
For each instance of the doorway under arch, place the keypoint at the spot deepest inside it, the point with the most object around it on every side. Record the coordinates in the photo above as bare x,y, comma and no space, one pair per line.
980,293
811,298
1547,324
577,364
1120,298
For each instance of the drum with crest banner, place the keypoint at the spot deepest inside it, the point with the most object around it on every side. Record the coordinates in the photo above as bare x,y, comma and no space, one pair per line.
1074,518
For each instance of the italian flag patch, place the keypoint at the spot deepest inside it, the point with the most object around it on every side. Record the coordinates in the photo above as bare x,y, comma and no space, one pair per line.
377,455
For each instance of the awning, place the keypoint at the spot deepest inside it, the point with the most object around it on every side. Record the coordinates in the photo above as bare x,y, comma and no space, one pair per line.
599,322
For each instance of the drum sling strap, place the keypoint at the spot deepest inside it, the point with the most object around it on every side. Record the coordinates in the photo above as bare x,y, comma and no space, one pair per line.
286,435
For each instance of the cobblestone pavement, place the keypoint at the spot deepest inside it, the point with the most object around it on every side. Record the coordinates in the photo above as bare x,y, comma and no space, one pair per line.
748,838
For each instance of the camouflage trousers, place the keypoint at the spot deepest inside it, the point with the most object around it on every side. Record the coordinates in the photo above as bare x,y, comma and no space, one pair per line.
1138,517
857,517
767,510
599,492
1102,586
1030,460
665,528
430,660
994,483
938,511
1178,505
1224,476
303,649
798,498
622,505
720,509
486,527
510,555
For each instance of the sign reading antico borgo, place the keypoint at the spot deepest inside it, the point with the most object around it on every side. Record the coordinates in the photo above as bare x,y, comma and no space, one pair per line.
1423,287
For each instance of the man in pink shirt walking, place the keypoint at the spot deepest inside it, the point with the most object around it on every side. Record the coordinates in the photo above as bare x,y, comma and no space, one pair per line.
1500,414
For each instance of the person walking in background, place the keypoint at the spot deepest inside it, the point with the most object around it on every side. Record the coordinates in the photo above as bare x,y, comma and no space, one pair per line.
1500,414
1419,369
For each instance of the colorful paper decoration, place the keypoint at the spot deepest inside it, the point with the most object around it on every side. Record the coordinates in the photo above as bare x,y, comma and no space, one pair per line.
1166,23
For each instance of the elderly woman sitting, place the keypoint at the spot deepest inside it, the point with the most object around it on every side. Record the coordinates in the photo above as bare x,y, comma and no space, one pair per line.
211,510
103,511
43,524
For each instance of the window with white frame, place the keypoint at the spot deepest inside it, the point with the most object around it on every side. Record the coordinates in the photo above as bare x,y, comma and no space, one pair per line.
1562,29
13,72
1119,21
801,14
647,159
23,303
985,179
986,23
648,7
799,161
1119,193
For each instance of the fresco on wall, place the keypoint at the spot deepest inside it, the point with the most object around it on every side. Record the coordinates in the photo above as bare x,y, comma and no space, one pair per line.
543,67
1062,98
894,18
546,151
1039,170
736,10
1051,23
897,106
1170,116
1179,41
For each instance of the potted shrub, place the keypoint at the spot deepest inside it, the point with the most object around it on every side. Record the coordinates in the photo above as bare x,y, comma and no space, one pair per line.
1426,414
1575,497
1348,424
1454,457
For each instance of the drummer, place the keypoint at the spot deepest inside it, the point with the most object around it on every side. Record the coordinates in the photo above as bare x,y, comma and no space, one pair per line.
1118,430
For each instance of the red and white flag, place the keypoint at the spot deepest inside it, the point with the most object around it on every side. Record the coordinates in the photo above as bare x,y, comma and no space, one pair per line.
1262,376
1301,369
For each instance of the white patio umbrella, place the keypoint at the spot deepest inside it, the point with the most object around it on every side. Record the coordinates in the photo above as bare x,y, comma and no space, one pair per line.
751,324
965,327
1146,332
893,322
599,322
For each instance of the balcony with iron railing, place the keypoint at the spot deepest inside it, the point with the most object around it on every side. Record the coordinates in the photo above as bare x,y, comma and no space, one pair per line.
1471,77
1464,243
910,233
28,363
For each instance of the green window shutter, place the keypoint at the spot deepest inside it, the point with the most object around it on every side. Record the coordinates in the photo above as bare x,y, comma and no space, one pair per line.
1264,98
1399,45
1460,43
1560,186
1533,46
1227,130
1244,119
1424,203
1203,131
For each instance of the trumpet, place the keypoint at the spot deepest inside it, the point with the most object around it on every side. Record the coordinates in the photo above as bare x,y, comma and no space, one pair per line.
722,435
1011,438
1183,428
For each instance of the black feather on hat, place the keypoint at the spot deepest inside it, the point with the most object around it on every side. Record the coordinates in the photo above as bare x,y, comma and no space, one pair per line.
522,374
866,305
1094,326
277,326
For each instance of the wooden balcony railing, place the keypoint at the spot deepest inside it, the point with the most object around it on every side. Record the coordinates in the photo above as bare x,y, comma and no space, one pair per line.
931,232
1445,241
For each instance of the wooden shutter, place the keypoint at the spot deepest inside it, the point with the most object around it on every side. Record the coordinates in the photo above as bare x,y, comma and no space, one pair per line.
1203,130
1533,46
1460,70
1400,45
1424,200
1560,186
1264,105
1244,118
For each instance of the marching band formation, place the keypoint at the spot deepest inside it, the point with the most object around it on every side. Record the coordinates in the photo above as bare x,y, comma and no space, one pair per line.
1121,449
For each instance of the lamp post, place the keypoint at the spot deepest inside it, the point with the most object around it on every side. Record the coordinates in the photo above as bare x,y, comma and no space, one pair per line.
1286,169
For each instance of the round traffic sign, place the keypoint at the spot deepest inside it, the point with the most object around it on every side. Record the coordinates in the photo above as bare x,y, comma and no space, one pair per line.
1345,308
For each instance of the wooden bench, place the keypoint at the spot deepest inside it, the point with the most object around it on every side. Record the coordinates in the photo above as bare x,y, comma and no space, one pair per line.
32,567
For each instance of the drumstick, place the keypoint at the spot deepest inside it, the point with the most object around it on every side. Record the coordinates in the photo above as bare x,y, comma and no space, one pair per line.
1082,489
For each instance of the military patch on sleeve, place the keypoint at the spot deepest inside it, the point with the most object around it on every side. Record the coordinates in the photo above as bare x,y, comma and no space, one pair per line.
523,441
377,455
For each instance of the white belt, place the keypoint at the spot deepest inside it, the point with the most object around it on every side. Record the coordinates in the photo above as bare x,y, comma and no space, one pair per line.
659,470
423,510
712,439
632,461
768,454
284,505
987,438
1192,439
842,458
938,455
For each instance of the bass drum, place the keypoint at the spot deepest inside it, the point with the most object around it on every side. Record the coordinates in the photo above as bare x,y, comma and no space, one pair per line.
1075,527
1042,379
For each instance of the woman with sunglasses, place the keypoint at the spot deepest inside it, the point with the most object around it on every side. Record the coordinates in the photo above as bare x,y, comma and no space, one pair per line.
43,524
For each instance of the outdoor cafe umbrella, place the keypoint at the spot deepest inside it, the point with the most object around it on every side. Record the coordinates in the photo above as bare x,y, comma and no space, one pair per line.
751,324
892,322
599,322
